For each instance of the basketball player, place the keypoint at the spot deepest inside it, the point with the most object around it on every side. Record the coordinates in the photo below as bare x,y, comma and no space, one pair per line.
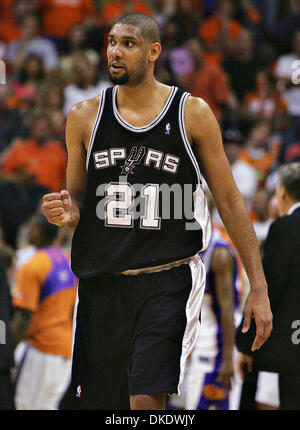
210,377
44,299
141,281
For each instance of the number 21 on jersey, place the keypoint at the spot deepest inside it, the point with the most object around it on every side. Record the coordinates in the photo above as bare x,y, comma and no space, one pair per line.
121,207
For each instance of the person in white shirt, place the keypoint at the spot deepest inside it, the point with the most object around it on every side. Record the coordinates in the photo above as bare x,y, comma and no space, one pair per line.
31,43
244,175
260,206
287,71
86,84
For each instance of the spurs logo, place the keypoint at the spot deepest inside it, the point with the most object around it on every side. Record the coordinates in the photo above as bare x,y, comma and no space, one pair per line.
133,159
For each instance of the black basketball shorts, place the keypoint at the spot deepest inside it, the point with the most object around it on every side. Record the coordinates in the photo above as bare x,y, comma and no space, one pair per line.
133,335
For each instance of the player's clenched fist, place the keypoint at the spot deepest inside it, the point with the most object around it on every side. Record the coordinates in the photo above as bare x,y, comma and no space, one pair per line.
57,208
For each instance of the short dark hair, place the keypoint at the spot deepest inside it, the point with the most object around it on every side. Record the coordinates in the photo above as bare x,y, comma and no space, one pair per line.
7,254
148,25
232,135
289,178
48,231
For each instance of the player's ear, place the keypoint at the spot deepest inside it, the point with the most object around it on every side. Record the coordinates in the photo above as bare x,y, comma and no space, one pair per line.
283,192
154,52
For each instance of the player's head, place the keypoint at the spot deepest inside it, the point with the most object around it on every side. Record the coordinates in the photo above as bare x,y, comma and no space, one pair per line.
40,128
40,232
233,142
133,47
196,50
288,187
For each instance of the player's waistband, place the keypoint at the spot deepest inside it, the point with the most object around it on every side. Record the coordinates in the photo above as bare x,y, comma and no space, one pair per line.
166,266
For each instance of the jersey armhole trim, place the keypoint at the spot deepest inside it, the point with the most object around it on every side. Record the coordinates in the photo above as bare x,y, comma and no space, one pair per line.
182,128
95,128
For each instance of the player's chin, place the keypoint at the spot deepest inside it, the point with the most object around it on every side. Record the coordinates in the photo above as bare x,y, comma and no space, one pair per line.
119,78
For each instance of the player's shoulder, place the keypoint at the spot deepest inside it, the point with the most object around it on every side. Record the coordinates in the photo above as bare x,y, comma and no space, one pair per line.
80,119
198,107
86,107
200,121
39,261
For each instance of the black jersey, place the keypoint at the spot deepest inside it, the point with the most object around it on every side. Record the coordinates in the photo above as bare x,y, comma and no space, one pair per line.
144,203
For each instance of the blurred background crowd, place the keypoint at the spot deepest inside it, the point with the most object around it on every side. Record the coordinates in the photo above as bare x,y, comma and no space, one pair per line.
238,55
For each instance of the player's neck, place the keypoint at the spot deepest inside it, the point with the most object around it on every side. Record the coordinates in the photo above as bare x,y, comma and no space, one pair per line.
138,96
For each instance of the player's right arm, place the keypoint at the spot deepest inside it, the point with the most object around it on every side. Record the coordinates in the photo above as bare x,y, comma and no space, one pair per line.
63,209
204,134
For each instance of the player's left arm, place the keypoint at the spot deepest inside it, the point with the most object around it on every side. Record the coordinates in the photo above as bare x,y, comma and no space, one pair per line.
25,298
222,265
204,133
20,323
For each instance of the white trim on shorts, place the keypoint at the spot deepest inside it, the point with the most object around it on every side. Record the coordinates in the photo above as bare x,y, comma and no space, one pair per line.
267,391
192,311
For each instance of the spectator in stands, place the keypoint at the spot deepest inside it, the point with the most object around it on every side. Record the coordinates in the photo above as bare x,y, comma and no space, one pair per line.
284,71
280,354
260,210
11,123
112,10
273,210
263,103
6,8
6,341
75,47
206,80
18,201
44,299
60,16
162,10
41,95
37,160
54,109
242,65
26,82
220,30
175,56
260,150
2,50
244,175
30,42
191,6
86,83
12,12
293,153
282,29
249,11
269,11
